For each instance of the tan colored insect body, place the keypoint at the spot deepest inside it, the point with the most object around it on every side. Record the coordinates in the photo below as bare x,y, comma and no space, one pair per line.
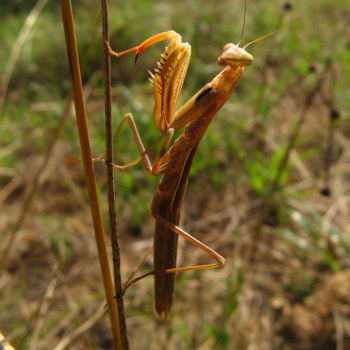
175,163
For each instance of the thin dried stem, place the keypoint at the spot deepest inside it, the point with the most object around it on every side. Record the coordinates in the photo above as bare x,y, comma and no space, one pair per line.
110,176
68,23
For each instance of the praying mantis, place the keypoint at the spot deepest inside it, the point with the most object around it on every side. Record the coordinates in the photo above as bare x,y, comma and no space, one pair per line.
175,162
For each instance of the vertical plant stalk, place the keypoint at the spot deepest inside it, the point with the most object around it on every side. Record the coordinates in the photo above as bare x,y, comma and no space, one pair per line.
110,175
80,110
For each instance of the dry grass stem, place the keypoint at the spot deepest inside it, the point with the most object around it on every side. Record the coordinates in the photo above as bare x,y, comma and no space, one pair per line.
110,175
68,22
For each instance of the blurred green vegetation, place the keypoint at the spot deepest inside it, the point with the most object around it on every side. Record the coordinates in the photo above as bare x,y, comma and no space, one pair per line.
242,148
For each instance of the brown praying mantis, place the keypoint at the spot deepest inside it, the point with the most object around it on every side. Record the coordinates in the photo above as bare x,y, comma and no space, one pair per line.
175,162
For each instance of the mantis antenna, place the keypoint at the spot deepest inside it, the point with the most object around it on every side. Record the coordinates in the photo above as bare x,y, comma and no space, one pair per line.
274,32
243,26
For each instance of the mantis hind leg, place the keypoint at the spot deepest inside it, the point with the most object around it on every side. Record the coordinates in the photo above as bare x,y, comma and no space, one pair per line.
179,231
220,260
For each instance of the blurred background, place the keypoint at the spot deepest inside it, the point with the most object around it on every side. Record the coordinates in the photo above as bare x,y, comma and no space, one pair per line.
269,188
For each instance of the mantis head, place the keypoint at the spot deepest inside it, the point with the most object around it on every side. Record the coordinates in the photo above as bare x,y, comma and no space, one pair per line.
235,56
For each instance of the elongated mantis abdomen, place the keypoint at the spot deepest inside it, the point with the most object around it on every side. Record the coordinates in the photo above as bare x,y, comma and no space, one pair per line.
175,163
